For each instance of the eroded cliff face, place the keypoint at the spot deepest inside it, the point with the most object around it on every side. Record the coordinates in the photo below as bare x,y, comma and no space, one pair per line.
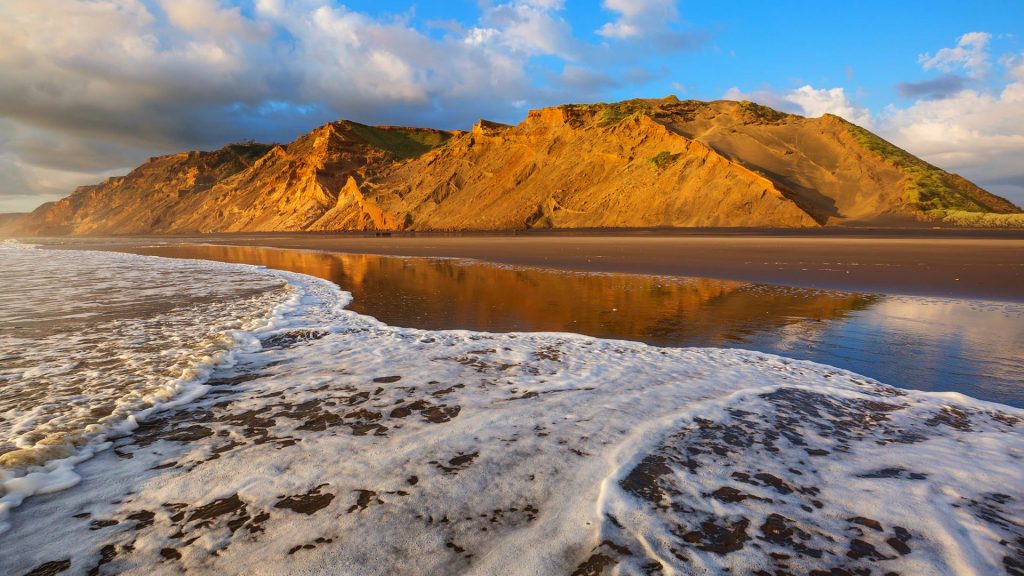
292,187
638,163
572,167
147,198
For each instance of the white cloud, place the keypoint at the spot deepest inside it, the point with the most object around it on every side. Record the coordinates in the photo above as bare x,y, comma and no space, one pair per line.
976,132
531,27
637,17
1015,64
970,53
807,101
208,16
979,134
479,36
653,23
819,101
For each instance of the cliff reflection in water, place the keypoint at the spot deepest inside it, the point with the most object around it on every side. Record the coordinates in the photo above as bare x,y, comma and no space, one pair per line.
457,294
976,348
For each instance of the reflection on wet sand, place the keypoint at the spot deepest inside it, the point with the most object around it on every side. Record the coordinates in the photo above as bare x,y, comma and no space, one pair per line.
446,293
971,347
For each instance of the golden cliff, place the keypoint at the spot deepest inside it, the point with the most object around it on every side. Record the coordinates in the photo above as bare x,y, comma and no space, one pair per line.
638,163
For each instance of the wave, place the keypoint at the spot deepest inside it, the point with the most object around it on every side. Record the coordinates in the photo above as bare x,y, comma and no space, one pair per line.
74,382
346,445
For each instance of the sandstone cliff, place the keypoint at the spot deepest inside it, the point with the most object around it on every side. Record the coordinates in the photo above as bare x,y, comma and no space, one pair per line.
638,163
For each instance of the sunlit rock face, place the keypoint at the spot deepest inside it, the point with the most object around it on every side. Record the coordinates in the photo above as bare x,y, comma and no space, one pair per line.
637,163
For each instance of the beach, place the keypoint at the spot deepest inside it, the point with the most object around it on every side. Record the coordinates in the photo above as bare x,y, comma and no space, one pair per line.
980,264
324,440
511,288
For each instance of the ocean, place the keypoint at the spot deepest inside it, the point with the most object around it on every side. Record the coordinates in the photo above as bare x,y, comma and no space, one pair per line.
160,415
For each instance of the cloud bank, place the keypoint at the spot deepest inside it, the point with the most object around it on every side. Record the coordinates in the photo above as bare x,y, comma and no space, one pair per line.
90,88
93,87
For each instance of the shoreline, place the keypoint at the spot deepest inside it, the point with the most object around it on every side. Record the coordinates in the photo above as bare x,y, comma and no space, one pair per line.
340,426
855,331
969,267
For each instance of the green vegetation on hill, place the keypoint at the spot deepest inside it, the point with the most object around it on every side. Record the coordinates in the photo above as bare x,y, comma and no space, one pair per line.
249,150
759,114
928,187
614,113
610,114
400,142
977,219
663,159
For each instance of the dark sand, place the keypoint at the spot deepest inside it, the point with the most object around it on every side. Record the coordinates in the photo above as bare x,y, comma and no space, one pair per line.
989,267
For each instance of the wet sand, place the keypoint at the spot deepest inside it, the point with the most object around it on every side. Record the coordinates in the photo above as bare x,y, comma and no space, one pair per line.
915,342
989,267
338,443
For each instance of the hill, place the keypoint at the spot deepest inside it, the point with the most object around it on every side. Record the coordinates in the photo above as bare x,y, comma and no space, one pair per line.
637,163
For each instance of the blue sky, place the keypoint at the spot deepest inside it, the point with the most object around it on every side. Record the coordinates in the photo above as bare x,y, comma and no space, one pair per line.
868,47
91,88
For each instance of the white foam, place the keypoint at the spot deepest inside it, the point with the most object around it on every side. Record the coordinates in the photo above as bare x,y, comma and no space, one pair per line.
525,448
140,366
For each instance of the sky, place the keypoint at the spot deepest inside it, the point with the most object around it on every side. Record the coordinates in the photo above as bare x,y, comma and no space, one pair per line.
92,88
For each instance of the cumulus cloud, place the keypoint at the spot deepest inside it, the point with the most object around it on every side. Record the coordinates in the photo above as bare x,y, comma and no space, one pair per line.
93,86
966,126
208,15
970,54
955,122
819,101
974,132
637,16
651,21
807,101
531,27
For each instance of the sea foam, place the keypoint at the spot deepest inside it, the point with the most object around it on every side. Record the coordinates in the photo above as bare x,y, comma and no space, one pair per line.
95,343
343,445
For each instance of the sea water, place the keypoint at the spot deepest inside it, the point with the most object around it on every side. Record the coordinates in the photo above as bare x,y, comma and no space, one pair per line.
243,420
91,343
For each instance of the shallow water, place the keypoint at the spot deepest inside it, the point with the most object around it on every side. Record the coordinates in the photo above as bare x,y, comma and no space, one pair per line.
972,347
92,342
336,443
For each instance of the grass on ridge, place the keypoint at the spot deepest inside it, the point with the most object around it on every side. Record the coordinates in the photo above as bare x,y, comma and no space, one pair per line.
928,187
615,113
977,219
248,150
402,143
761,114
